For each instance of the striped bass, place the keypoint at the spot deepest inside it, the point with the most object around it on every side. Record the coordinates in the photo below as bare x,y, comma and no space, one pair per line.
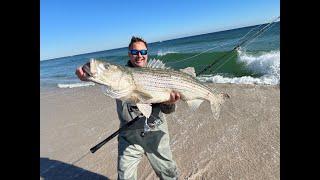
143,86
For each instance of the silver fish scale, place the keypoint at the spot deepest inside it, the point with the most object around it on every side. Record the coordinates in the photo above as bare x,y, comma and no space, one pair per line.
157,79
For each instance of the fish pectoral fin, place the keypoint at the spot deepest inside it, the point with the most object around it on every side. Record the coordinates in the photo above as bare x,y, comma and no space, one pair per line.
145,109
194,104
189,70
143,96
106,90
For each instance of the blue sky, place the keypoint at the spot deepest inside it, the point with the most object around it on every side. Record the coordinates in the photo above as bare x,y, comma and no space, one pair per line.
71,27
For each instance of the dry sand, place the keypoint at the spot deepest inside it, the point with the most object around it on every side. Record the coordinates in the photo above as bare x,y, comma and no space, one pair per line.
243,144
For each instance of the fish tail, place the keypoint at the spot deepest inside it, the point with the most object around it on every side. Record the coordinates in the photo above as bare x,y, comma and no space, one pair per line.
216,102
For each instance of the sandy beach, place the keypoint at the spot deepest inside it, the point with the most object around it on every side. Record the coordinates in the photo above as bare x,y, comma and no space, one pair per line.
243,144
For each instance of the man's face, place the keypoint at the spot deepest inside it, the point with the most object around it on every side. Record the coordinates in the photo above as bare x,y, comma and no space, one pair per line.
138,60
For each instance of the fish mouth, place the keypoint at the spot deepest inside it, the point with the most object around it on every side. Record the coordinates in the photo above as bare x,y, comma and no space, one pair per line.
89,68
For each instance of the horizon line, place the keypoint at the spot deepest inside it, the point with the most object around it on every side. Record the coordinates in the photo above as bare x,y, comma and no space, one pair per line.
175,38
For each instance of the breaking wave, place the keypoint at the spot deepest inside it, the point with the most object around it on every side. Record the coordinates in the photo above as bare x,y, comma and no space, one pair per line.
267,64
74,85
163,53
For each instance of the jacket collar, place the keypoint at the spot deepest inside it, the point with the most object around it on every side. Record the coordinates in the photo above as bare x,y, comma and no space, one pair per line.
129,64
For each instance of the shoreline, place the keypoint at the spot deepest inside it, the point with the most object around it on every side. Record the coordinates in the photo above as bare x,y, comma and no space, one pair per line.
56,88
243,143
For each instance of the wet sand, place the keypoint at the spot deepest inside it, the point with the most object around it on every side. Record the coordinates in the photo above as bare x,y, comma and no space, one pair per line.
243,144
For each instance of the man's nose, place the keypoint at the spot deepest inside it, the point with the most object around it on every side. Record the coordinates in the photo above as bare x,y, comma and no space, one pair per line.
139,54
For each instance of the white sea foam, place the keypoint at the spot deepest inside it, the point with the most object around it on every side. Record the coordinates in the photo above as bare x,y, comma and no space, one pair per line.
267,64
74,85
163,53
270,80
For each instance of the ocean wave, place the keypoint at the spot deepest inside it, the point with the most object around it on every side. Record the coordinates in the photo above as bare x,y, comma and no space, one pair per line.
264,80
74,85
266,63
163,53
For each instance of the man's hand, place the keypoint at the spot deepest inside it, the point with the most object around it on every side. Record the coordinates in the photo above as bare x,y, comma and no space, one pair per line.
174,97
81,75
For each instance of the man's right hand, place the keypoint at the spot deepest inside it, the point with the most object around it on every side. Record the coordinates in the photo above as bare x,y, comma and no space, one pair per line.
81,75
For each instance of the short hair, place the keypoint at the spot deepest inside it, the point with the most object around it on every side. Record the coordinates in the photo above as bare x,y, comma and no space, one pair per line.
135,39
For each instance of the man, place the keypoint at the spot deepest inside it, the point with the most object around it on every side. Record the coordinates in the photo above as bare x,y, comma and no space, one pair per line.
136,141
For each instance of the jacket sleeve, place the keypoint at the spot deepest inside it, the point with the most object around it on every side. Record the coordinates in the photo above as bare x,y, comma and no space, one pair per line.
167,108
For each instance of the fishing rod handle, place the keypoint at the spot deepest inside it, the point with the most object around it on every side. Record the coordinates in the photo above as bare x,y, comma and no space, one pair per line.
98,146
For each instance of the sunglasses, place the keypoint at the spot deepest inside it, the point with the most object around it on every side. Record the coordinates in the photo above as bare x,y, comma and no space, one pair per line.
136,52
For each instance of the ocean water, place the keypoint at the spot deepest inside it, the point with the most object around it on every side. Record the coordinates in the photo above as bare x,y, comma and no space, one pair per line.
256,62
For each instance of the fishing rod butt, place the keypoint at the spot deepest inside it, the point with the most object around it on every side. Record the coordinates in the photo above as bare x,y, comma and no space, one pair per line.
94,149
98,146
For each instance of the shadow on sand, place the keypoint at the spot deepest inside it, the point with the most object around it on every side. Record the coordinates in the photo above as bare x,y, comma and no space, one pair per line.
53,169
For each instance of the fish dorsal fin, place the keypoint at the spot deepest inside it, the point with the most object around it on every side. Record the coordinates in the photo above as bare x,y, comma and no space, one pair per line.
189,70
194,104
156,63
145,109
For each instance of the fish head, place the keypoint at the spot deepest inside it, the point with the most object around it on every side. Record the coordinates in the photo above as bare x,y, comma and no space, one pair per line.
103,73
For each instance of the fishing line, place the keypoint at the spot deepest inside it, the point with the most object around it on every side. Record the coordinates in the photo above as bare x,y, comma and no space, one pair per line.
259,34
247,40
237,48
219,45
250,31
214,90
199,53
79,159
215,62
215,47
254,36
58,163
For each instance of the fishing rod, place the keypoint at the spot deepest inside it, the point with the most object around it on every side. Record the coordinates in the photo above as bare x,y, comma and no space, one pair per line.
124,127
215,62
237,47
130,123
